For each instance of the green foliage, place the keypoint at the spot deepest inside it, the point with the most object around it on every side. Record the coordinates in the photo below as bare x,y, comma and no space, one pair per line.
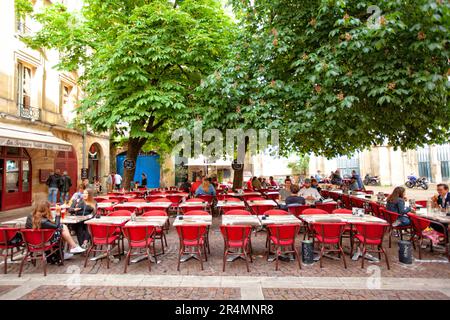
141,60
301,166
333,78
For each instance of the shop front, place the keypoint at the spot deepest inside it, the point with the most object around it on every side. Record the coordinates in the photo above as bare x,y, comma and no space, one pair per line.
17,144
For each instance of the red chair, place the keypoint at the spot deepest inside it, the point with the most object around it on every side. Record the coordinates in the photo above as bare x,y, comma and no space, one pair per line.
206,197
159,199
238,212
192,237
201,213
175,200
237,238
226,197
371,235
6,235
137,200
253,198
159,232
325,193
118,199
328,207
140,238
422,203
329,235
100,199
335,195
342,211
375,209
103,235
124,208
297,210
419,224
283,237
276,212
391,217
346,201
314,211
201,205
225,209
38,243
120,212
260,209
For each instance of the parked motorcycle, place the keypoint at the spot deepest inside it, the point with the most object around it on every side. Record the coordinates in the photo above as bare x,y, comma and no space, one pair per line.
414,181
371,180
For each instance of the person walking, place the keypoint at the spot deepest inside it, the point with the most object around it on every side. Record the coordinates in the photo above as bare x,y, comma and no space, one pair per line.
117,181
109,182
64,187
53,182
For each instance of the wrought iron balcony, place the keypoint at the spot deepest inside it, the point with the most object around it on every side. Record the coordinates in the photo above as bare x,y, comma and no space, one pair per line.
22,28
28,112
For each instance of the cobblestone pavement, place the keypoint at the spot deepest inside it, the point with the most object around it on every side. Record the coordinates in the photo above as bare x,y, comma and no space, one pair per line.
432,265
327,294
132,293
6,289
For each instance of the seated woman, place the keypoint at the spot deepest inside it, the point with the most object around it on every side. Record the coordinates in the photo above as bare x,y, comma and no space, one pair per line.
396,203
206,188
83,207
41,218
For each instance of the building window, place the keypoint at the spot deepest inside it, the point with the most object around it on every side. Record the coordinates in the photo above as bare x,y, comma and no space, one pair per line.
24,87
12,176
66,91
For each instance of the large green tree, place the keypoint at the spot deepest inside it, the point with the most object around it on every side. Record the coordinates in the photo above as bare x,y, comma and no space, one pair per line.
337,76
142,61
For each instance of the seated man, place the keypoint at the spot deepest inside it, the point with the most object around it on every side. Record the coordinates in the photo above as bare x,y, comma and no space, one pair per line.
286,191
294,198
309,193
353,184
442,200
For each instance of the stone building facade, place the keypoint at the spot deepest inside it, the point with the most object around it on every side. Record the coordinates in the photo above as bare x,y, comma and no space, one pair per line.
38,102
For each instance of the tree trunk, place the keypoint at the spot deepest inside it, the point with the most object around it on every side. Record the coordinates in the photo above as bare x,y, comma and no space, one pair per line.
238,178
112,157
134,147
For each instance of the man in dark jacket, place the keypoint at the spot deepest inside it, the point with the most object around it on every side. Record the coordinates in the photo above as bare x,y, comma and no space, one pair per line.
53,182
64,187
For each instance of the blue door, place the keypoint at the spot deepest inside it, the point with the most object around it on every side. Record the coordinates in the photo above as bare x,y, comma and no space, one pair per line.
149,164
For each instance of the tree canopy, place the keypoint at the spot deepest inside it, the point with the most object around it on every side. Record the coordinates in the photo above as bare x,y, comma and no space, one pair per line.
141,60
337,76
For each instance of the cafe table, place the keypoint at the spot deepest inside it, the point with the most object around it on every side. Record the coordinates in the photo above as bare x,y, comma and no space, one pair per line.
434,215
262,202
158,205
252,194
245,220
278,219
68,219
193,204
347,218
227,203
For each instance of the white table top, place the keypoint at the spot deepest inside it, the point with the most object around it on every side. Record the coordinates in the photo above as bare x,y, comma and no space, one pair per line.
103,205
68,219
262,203
156,221
437,216
279,219
163,205
193,204
247,220
237,204
347,218
109,220
187,220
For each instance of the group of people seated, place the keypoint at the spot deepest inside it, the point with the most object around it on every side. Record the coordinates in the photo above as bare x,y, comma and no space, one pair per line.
396,202
82,203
